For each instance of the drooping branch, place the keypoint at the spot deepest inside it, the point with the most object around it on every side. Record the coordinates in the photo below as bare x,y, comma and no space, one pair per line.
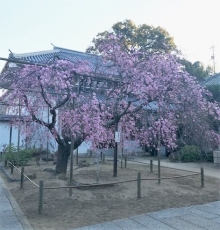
43,93
63,102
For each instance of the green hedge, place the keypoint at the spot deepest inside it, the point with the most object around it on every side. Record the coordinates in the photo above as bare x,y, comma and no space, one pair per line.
18,159
190,153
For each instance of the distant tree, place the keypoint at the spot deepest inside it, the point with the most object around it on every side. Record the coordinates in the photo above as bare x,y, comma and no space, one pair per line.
143,38
150,40
196,69
215,91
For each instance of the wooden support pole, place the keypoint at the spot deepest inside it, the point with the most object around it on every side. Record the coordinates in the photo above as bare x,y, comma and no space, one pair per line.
71,165
103,158
115,162
19,133
41,193
139,185
202,177
158,153
151,166
12,168
125,161
6,163
121,161
97,167
77,156
48,121
22,178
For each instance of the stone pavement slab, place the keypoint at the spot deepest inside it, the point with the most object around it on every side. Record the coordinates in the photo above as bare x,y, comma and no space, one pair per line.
151,223
129,224
11,216
180,224
209,209
217,219
202,222
198,217
102,226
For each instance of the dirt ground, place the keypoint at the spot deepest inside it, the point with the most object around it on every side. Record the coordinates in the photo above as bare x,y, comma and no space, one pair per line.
106,203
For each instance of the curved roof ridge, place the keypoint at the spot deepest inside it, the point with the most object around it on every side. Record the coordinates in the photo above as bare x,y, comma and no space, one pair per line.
34,53
74,51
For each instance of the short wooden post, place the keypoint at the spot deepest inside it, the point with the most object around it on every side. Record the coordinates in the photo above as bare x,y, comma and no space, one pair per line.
159,172
151,166
125,161
202,177
121,161
103,158
139,185
6,162
22,178
41,193
12,168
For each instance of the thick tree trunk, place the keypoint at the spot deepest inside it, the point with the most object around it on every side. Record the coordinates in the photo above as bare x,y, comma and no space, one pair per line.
62,158
64,153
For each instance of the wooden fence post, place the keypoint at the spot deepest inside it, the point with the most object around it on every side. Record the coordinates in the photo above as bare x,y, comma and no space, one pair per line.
121,161
71,166
103,158
41,193
12,168
6,162
202,177
151,166
159,172
139,185
22,178
125,161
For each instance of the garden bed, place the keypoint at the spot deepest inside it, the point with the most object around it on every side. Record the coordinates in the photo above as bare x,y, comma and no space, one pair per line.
105,203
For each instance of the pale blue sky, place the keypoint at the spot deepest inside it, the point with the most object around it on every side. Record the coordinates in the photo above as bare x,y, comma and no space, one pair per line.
31,25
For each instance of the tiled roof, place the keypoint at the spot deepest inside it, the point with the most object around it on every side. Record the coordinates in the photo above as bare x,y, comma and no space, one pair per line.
213,80
73,56
95,61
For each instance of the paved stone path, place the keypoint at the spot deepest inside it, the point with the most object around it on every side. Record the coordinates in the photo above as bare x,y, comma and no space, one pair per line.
188,218
11,216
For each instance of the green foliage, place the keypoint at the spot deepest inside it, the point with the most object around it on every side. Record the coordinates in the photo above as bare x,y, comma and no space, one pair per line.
142,37
18,159
190,153
215,90
196,69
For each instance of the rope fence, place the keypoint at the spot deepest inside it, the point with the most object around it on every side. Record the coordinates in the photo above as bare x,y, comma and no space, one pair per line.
22,175
138,180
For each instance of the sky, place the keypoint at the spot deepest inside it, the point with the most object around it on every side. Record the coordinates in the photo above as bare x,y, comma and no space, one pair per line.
32,25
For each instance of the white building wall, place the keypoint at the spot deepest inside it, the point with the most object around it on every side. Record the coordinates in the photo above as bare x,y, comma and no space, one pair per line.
5,135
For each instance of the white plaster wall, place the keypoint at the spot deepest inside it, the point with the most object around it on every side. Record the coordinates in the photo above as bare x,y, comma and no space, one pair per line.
5,135
84,147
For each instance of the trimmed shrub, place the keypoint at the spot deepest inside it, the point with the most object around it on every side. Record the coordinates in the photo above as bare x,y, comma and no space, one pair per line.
190,153
15,158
